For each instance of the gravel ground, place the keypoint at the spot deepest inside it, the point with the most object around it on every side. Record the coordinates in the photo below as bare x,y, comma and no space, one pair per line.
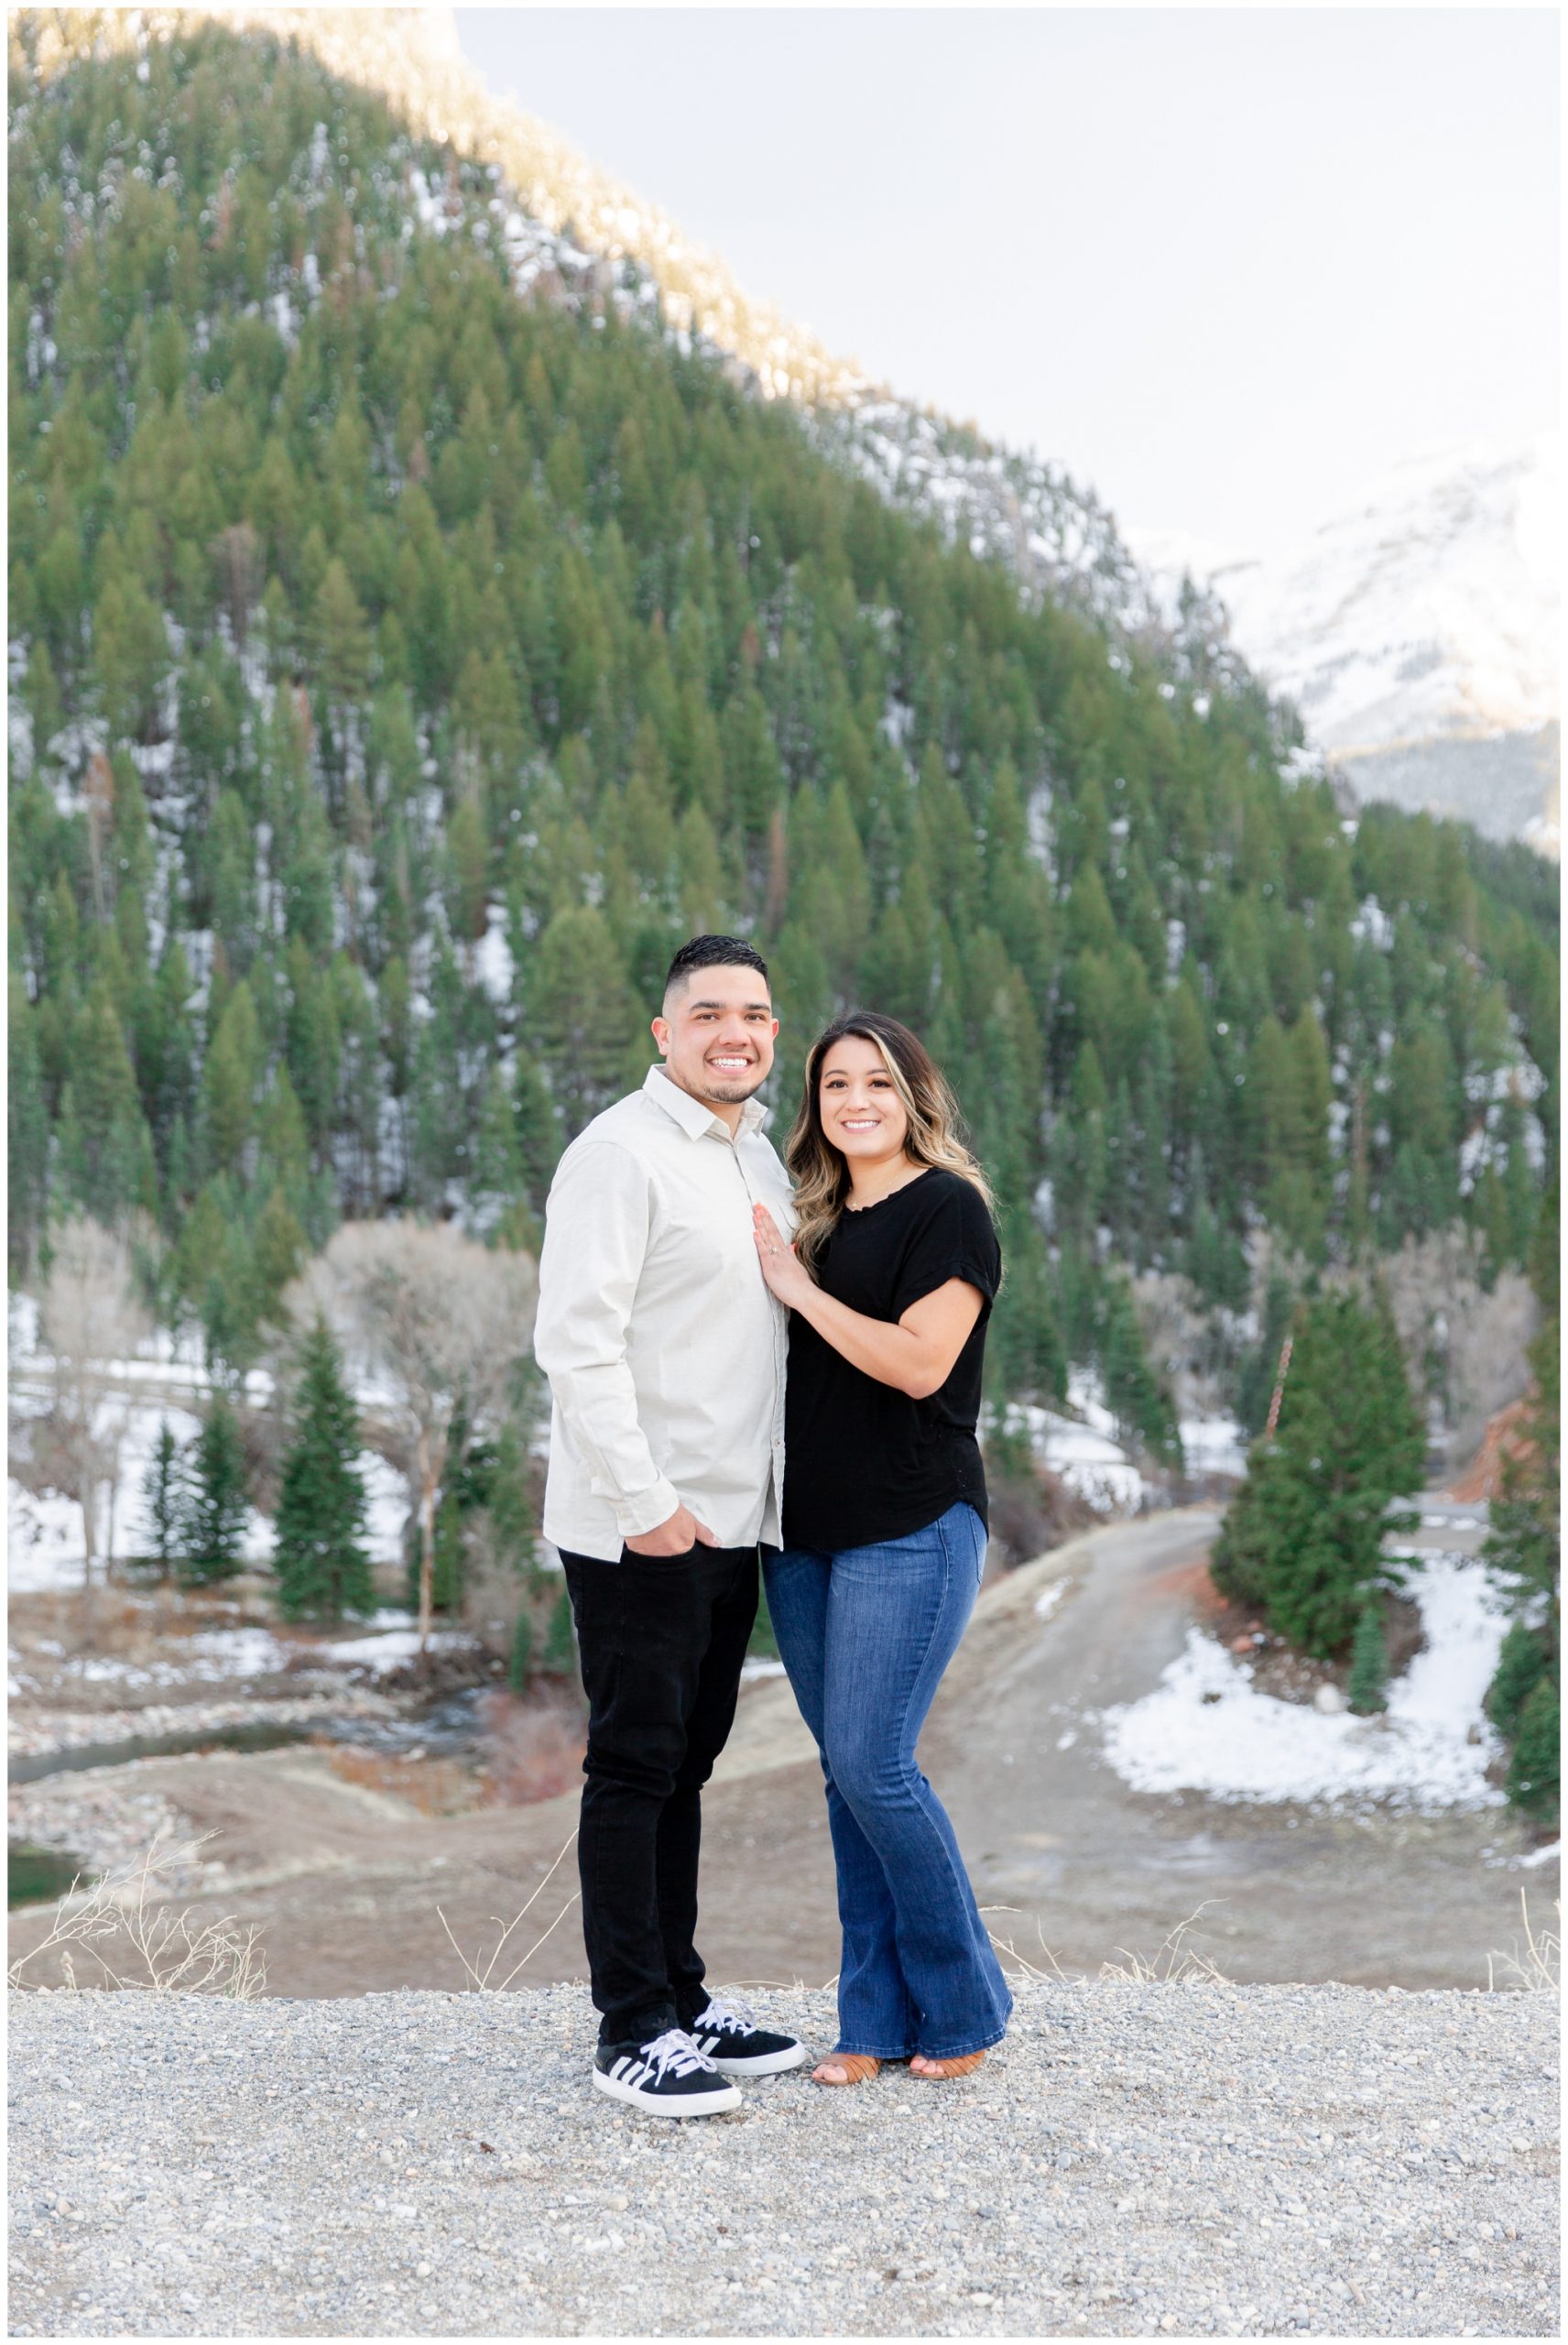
1188,2159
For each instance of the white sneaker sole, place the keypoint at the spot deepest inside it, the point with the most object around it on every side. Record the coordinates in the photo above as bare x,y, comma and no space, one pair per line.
660,2104
766,2063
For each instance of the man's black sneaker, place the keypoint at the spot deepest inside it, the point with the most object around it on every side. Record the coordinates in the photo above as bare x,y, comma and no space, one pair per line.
728,2035
669,2076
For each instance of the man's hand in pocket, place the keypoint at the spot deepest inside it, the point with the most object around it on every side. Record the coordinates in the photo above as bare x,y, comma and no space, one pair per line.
676,1537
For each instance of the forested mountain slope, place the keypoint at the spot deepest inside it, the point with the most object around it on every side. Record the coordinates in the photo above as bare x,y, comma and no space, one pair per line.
402,666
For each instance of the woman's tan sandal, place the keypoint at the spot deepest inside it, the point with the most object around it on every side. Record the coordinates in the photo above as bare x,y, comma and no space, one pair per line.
859,2068
938,2071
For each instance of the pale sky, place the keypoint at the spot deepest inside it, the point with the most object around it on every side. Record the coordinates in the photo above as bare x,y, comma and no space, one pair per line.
1224,265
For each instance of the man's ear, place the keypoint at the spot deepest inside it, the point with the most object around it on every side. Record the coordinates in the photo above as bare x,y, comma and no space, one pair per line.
662,1035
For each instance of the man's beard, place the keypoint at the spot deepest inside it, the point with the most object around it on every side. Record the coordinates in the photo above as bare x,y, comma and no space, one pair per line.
729,1091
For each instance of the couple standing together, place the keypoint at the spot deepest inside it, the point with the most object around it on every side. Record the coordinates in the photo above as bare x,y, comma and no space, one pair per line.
671,1302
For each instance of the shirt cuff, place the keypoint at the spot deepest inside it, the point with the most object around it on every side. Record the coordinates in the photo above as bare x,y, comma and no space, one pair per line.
647,1511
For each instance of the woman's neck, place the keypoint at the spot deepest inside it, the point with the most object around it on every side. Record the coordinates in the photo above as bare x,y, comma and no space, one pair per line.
869,1183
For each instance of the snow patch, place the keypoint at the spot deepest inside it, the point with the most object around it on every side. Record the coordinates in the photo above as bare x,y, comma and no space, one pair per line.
379,1654
1207,1728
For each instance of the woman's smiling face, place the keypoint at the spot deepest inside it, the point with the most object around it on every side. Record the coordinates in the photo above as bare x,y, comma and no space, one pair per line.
859,1104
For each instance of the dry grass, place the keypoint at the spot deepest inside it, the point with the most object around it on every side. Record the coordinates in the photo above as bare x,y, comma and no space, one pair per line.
1536,1967
137,1626
434,1786
1172,1964
483,1980
134,1940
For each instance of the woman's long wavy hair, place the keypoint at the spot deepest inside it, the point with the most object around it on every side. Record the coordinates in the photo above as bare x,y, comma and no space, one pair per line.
820,1170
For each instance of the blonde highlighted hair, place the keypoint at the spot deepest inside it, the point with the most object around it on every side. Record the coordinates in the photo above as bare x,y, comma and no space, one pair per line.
820,1170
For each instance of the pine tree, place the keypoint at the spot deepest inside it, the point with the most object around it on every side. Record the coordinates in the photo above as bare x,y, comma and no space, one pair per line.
1534,1769
28,1125
1368,1663
278,1249
319,1556
343,638
582,1011
163,1493
538,1131
446,1570
212,1521
1522,1662
559,1656
1142,1409
1303,1536
1524,1549
496,1180
229,1079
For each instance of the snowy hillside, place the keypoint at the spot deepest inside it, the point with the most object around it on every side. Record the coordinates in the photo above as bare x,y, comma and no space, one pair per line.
414,59
1419,632
571,233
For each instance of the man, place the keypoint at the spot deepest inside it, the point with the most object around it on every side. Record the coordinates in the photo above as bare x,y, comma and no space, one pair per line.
665,1354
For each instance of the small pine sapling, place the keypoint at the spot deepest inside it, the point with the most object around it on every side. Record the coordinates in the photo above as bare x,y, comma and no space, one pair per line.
559,1656
1368,1663
163,1492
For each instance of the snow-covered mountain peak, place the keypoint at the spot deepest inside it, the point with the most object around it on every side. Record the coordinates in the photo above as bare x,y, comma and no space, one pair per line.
1428,607
1418,629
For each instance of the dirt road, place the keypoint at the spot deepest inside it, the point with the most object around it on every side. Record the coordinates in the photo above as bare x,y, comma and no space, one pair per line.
345,1883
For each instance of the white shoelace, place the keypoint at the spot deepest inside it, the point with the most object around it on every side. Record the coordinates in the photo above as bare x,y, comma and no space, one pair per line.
674,2050
727,2018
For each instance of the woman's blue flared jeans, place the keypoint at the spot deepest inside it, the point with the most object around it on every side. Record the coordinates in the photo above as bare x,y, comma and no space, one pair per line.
866,1635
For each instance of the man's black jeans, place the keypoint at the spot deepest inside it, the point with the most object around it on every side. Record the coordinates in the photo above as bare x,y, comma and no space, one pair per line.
661,1640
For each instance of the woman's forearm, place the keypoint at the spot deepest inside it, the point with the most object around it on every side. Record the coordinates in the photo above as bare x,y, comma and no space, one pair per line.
878,1348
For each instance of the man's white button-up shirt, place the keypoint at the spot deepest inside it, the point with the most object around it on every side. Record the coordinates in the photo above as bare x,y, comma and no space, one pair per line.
664,1349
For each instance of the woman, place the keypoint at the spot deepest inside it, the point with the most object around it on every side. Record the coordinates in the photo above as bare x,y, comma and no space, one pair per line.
889,1282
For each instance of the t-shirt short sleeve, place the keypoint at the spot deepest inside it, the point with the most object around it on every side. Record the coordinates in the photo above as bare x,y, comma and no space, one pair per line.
954,1238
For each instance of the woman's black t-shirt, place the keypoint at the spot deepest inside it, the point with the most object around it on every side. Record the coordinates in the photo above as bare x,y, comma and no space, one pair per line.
862,1461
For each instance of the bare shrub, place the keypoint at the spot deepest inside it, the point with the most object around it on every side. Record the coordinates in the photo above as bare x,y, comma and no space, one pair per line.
1466,1348
1172,1964
533,1744
91,1315
1536,1968
1191,1348
494,1590
435,1786
436,1326
134,1940
1032,1509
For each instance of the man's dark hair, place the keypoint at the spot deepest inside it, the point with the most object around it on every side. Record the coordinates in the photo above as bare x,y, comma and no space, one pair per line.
714,953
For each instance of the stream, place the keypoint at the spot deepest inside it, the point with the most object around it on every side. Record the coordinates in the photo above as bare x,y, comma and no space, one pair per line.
447,1729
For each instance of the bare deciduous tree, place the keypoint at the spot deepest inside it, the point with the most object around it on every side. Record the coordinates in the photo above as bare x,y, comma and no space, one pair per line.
434,1325
237,552
91,1315
1466,1343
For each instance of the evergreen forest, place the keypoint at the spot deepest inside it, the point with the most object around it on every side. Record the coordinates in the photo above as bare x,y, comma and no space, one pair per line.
402,668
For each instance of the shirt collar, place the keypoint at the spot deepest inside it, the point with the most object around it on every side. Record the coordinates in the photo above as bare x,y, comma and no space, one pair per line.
696,1121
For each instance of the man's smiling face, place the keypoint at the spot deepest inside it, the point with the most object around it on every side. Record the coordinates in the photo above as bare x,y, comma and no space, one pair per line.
717,1033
